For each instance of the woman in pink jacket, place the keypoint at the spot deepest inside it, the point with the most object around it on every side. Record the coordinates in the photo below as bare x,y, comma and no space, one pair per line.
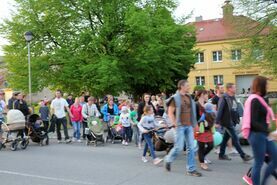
76,111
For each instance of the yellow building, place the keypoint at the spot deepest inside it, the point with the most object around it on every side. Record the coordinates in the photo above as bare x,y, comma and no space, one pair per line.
219,54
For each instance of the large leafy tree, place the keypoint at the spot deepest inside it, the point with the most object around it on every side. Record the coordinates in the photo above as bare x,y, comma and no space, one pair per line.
262,31
104,46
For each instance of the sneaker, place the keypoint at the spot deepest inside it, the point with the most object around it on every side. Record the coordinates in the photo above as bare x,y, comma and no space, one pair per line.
217,151
233,152
207,161
68,141
144,159
247,158
74,139
167,166
157,161
224,157
79,141
59,141
194,173
123,142
247,179
126,144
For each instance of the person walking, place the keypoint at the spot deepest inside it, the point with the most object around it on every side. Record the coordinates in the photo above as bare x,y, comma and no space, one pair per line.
76,111
21,105
228,118
89,110
134,121
58,106
182,115
3,109
44,115
256,128
125,121
147,126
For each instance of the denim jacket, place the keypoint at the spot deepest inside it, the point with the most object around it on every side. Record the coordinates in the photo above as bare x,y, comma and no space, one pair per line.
104,111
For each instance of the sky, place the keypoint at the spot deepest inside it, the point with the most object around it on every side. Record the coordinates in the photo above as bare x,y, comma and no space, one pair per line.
209,9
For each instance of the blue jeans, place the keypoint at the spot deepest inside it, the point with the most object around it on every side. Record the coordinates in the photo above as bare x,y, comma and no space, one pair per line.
260,147
148,143
77,128
229,132
184,133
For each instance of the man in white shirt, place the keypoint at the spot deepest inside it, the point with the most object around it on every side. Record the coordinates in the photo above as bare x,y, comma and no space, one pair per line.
58,107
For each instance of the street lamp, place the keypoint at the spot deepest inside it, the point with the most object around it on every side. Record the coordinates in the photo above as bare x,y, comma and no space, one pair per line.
28,37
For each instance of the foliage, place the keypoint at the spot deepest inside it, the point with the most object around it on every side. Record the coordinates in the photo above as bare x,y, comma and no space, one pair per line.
100,46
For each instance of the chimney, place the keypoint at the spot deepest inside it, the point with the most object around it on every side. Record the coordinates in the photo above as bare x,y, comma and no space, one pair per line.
199,18
228,10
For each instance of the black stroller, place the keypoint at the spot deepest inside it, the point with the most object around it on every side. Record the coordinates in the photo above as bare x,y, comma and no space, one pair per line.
36,131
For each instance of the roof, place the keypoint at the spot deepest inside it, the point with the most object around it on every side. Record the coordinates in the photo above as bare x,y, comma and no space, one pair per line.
220,29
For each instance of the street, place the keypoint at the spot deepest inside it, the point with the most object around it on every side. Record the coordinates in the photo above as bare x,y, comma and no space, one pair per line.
112,164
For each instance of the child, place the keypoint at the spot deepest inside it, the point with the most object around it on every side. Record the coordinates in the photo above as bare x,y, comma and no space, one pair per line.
125,120
44,114
205,136
134,121
146,126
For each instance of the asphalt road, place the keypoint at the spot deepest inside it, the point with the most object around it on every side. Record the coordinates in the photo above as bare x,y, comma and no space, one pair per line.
112,164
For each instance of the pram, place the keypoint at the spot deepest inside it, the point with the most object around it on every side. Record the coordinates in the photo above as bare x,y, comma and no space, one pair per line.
14,131
96,131
115,129
36,131
161,143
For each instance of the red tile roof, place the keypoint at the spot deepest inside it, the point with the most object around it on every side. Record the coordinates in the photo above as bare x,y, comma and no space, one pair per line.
218,29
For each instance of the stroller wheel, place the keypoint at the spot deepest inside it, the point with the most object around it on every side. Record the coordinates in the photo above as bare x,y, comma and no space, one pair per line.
14,145
23,144
87,142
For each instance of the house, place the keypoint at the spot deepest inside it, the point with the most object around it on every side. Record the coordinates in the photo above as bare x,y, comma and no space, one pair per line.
218,59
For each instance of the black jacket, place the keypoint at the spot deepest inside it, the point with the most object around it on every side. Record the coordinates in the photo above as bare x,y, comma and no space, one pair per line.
141,107
226,116
22,106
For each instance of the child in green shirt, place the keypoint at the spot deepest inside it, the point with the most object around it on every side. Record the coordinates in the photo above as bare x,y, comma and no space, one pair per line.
134,122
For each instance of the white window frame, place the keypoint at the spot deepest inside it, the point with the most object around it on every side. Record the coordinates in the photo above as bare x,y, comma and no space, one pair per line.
199,58
200,80
218,79
217,56
236,54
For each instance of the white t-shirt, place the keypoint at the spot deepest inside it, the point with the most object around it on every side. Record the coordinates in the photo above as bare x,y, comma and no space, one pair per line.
59,104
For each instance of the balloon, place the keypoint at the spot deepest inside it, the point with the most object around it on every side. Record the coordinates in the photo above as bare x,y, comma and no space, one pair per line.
217,138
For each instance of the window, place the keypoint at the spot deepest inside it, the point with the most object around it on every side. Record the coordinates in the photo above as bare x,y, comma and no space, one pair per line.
257,54
199,57
236,55
218,79
200,80
217,56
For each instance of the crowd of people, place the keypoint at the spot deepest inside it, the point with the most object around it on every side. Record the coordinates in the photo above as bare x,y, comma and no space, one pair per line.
192,118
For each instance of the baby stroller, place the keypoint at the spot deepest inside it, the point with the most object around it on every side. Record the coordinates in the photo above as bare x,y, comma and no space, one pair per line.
162,143
95,131
115,129
36,131
14,130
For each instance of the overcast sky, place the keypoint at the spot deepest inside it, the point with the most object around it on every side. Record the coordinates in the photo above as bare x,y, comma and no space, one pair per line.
209,9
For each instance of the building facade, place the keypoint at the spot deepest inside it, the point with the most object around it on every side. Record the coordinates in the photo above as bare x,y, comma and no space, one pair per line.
219,54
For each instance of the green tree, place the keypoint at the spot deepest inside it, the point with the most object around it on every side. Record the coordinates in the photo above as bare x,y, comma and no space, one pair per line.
101,46
261,28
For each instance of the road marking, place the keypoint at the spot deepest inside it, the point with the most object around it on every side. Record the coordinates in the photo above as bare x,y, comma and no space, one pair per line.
46,178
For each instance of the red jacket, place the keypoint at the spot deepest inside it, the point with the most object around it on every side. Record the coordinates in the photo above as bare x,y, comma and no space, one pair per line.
76,112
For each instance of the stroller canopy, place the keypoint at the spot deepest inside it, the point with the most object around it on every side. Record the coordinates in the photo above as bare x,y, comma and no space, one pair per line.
15,116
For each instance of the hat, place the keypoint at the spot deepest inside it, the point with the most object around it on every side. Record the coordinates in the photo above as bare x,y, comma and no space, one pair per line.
124,109
208,107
